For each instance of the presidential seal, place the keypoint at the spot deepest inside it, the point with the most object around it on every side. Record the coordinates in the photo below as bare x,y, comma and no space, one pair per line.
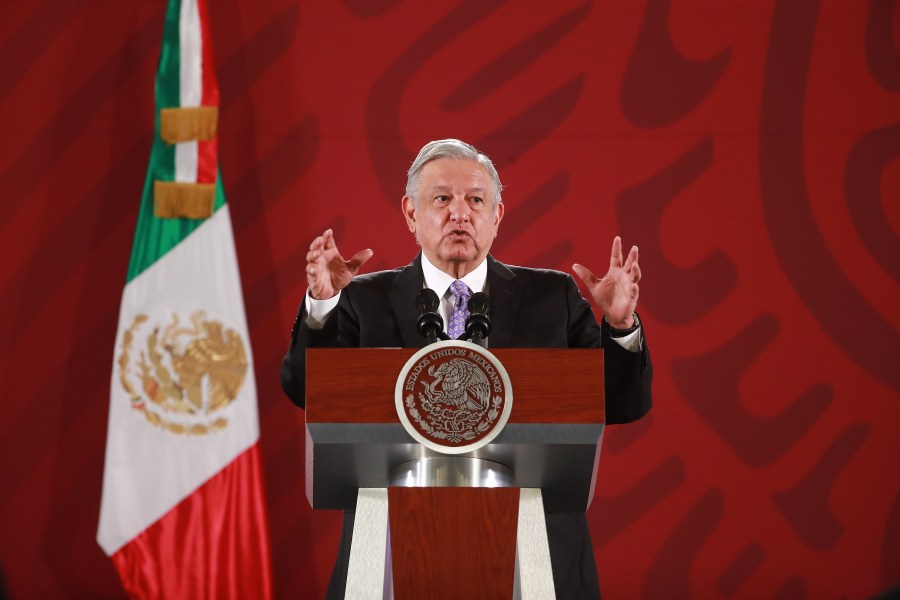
453,397
187,373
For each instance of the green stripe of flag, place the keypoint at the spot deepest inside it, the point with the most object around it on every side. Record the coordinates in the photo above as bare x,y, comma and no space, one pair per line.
153,237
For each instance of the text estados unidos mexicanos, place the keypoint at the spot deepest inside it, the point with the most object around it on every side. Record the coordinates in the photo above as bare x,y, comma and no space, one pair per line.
496,382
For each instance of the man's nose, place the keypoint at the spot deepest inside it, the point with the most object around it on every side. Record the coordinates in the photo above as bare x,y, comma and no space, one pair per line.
459,209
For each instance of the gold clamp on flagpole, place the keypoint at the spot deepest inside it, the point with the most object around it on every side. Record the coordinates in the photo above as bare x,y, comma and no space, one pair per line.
176,200
182,200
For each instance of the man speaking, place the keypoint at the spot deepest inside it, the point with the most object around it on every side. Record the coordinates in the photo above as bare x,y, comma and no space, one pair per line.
453,206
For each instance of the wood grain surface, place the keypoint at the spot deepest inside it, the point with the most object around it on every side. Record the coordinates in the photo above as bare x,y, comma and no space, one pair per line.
453,542
356,385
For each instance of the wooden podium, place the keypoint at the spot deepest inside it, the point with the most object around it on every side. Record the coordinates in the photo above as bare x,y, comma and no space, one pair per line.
430,525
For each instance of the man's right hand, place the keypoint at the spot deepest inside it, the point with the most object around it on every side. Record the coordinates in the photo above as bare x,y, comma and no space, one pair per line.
327,273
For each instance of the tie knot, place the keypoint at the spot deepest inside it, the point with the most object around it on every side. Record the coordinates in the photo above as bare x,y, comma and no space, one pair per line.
460,290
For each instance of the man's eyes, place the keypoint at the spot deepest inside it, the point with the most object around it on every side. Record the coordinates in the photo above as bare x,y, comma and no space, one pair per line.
443,198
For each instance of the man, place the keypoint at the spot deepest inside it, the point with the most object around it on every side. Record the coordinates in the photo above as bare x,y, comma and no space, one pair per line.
453,206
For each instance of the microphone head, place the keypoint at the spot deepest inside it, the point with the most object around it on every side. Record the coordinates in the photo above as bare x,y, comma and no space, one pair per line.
427,301
430,325
478,327
479,304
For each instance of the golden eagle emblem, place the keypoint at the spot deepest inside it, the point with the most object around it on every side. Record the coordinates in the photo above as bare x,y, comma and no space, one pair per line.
461,384
187,372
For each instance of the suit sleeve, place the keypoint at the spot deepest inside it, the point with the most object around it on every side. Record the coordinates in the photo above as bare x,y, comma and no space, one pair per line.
340,330
293,367
628,374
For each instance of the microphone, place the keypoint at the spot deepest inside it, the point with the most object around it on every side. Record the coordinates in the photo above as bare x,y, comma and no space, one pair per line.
430,323
478,325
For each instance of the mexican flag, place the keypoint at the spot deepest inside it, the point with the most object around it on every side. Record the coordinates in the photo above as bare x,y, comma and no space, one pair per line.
183,512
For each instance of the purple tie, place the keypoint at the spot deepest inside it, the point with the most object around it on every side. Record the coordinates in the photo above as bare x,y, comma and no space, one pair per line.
461,294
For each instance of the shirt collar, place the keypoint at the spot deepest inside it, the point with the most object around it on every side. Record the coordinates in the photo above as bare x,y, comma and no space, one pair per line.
440,282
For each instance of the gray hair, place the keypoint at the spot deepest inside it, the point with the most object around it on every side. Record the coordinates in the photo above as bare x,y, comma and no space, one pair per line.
450,148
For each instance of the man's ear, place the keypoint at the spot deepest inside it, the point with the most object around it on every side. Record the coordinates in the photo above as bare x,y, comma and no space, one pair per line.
498,216
409,212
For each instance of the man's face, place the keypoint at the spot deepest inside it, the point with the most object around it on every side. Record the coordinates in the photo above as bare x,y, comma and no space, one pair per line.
455,221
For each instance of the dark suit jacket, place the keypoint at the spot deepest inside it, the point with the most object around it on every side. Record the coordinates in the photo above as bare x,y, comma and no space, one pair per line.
530,308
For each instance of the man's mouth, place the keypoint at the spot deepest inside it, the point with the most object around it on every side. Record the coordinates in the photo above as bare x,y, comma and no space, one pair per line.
458,234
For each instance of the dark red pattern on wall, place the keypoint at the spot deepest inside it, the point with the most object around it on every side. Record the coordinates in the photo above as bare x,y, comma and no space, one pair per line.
751,150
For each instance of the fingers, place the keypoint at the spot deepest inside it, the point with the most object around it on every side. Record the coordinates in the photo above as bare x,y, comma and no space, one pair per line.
358,259
323,247
326,270
632,258
585,275
314,254
328,239
615,258
633,269
318,246
319,242
313,271
315,259
316,264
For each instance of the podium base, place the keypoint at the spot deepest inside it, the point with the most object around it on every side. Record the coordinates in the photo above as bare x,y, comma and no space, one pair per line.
449,543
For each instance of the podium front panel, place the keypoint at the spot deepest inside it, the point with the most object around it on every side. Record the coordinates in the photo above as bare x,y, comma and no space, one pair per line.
551,442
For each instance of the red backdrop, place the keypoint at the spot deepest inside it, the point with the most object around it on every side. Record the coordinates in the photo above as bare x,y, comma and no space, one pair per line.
751,149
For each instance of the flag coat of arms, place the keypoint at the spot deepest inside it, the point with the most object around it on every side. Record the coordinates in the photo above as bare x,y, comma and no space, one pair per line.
183,512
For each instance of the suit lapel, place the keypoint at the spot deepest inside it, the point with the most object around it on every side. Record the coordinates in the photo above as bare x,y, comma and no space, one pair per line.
408,282
504,289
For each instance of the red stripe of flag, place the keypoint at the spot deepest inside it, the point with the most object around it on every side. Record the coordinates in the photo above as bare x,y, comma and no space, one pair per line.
207,151
212,544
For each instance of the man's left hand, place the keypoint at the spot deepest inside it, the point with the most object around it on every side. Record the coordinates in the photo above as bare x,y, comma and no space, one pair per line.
616,293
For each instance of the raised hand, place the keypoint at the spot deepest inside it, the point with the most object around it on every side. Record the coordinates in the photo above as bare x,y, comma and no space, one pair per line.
327,272
617,292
